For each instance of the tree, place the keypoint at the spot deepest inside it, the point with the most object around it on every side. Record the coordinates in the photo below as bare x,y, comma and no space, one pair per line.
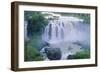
36,22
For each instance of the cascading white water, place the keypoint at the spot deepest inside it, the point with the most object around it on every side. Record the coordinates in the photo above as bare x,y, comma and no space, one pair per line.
59,30
25,30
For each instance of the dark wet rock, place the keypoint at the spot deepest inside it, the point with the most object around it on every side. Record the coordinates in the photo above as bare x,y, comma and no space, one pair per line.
53,53
70,57
43,44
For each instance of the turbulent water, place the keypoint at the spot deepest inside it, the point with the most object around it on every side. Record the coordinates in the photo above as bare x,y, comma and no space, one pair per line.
67,32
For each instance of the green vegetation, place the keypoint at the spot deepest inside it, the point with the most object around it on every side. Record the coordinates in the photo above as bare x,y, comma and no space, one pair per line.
85,17
35,27
82,55
32,49
36,22
32,54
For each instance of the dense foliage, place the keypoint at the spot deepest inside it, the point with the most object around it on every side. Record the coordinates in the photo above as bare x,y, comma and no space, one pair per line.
85,17
35,27
36,22
80,55
32,54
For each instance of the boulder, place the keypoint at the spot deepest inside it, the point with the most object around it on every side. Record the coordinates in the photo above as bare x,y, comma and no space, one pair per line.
53,53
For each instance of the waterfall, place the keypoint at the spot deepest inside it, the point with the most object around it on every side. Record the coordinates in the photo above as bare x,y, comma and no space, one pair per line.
58,30
69,34
25,31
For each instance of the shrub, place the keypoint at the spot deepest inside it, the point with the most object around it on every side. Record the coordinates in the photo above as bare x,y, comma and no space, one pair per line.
32,54
80,55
